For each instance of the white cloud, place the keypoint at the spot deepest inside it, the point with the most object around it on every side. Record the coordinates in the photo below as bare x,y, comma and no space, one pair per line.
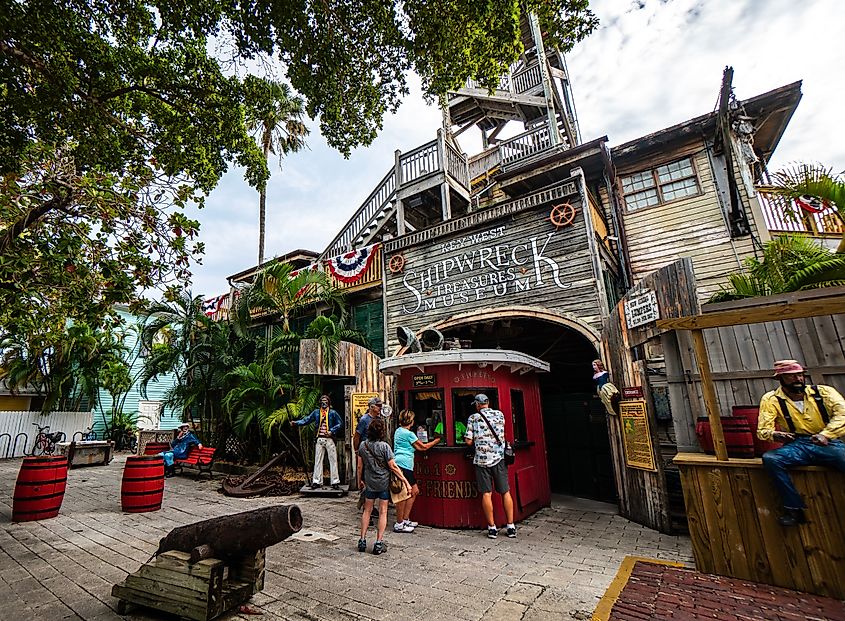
645,69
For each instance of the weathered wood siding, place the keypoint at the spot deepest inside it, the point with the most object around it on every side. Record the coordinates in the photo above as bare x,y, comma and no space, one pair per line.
693,226
742,358
643,494
507,255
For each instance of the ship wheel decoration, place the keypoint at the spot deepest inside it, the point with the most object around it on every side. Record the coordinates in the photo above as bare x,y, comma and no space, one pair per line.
562,215
396,264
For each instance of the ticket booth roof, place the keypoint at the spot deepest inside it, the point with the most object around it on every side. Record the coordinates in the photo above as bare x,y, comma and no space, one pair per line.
516,361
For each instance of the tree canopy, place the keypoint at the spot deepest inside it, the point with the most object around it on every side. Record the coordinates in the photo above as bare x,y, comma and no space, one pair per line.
115,115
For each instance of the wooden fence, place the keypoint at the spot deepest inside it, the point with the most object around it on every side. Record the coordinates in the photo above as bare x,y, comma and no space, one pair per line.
742,357
17,431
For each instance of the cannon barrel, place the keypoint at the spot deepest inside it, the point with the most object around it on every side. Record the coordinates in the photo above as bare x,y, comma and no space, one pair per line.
231,536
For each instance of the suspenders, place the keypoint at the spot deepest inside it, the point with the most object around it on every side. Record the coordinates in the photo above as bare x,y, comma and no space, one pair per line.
817,397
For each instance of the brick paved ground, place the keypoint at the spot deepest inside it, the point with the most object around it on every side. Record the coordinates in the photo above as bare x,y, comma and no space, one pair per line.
558,568
659,593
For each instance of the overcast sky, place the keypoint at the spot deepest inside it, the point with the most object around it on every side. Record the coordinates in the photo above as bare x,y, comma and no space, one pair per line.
649,65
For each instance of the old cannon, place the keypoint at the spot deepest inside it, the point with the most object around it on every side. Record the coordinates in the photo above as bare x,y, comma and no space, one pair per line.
204,569
231,536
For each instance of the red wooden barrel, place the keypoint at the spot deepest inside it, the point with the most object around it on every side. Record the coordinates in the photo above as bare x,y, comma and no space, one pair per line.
752,413
40,488
738,436
143,483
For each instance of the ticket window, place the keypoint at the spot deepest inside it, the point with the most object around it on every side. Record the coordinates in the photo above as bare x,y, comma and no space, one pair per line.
427,406
520,428
463,406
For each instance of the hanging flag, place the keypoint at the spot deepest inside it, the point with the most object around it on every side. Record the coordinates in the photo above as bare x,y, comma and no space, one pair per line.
313,267
351,266
811,204
211,306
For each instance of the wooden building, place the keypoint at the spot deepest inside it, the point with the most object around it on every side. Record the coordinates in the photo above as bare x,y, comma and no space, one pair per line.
531,244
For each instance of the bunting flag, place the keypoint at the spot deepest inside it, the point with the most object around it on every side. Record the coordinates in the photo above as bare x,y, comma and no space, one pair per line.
811,204
211,306
351,266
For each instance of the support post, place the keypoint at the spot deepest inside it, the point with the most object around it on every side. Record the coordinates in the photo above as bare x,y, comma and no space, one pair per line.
710,401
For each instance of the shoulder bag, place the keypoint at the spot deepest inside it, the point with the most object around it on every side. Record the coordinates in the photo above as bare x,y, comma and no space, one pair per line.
509,456
398,491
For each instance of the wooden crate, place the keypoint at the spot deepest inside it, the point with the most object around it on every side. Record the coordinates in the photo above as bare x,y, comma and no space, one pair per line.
200,591
732,510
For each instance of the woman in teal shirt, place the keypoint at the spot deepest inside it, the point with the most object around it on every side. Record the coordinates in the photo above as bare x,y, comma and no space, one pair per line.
405,443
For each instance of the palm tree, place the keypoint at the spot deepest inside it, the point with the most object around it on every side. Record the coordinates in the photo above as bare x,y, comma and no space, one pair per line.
811,180
789,263
279,130
281,289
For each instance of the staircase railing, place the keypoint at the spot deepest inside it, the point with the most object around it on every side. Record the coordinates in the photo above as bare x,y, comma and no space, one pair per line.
456,166
485,161
378,200
525,145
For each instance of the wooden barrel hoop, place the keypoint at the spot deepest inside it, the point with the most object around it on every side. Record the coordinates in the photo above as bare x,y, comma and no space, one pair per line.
142,487
40,488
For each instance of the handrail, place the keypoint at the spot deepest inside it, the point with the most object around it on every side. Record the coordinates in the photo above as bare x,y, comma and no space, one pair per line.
456,166
419,162
484,161
525,145
372,205
527,79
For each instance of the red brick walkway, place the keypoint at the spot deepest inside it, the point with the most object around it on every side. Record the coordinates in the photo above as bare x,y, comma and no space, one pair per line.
656,592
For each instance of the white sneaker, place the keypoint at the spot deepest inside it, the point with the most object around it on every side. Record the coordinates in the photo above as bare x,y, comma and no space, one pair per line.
401,527
411,524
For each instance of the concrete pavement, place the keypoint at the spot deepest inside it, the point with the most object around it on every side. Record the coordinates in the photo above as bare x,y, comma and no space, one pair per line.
558,568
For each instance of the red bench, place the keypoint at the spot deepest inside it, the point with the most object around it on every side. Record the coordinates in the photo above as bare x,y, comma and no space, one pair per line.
200,458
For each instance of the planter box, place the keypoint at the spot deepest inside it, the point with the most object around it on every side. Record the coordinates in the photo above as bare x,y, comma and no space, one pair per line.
87,452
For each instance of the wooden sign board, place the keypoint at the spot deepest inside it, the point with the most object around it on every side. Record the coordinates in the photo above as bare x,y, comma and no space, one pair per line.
632,392
641,308
425,379
359,405
636,435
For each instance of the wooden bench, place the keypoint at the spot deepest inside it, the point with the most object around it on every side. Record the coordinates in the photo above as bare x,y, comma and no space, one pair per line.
200,458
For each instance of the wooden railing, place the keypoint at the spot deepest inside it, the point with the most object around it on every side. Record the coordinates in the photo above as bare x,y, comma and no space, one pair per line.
432,157
525,145
418,163
456,165
376,204
784,216
527,79
484,162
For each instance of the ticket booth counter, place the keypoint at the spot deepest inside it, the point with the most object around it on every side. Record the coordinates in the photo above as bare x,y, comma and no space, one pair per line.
439,386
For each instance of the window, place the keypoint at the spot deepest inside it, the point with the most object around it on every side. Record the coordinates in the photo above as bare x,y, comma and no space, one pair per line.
660,185
520,429
463,406
427,406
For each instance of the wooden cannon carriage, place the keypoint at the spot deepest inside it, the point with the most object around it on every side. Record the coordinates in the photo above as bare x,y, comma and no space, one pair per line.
205,569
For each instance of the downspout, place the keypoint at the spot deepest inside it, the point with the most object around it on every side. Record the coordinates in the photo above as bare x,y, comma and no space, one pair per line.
592,244
618,223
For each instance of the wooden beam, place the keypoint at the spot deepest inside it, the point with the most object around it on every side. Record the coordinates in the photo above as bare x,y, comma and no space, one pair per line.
761,314
710,401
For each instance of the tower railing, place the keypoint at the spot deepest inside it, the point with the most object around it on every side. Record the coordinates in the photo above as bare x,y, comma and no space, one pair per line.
525,145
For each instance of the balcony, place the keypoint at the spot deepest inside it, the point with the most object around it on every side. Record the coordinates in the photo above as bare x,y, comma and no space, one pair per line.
782,217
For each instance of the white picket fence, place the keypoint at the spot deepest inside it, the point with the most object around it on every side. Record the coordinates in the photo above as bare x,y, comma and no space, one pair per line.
17,432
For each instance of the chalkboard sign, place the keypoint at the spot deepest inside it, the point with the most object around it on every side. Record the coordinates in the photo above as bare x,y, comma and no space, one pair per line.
425,379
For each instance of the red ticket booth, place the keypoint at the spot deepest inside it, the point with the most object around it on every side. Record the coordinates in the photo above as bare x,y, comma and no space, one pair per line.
439,386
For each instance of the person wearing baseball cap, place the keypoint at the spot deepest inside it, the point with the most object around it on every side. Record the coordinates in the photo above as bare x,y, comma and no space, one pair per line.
810,420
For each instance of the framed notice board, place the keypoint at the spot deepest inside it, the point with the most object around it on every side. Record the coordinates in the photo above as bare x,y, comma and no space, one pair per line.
636,435
359,405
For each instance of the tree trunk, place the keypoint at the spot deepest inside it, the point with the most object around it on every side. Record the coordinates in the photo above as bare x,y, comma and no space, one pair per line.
262,198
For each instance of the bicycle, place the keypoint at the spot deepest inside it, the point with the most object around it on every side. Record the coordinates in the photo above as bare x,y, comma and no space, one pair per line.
85,436
45,443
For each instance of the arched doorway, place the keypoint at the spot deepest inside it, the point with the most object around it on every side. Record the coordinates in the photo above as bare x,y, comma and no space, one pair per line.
574,421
